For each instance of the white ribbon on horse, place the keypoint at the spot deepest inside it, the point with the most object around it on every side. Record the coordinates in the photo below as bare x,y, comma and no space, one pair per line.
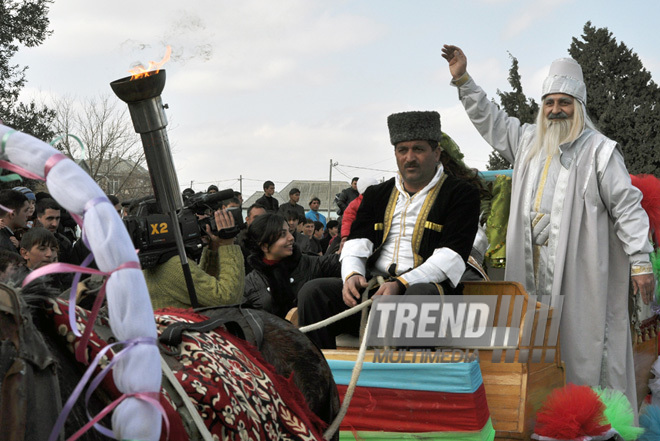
129,306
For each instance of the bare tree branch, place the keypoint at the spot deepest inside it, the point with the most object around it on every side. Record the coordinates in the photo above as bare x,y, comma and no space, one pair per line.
113,154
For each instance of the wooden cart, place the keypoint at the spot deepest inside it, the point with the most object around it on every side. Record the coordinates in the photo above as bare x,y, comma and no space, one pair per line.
515,391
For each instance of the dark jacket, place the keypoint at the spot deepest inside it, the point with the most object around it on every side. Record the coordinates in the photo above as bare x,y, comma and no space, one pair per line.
5,243
65,248
269,203
451,220
344,198
274,288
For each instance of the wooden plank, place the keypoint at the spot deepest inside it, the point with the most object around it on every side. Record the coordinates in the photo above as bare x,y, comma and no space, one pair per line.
508,436
539,386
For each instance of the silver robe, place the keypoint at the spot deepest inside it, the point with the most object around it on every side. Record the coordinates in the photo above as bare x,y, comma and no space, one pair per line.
597,230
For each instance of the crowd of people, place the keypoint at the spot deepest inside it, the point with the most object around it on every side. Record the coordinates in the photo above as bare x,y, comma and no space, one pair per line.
576,229
34,231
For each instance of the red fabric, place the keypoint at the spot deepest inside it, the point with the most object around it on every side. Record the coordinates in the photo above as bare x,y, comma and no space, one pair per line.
237,393
649,185
397,410
349,216
570,412
177,430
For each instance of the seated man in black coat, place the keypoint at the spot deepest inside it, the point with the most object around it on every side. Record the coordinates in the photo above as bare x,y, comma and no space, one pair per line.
416,230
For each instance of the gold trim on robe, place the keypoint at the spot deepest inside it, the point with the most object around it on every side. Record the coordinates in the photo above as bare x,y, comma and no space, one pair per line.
389,212
433,226
418,232
421,222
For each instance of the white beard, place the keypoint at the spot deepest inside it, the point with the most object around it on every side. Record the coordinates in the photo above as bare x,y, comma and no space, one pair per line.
550,136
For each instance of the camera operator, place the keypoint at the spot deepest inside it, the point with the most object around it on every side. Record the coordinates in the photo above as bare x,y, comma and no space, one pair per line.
218,278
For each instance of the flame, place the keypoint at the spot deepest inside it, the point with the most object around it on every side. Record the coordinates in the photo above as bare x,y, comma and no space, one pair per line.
154,67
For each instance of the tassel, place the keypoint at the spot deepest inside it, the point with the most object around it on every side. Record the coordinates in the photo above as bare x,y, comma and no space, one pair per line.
619,413
649,419
571,412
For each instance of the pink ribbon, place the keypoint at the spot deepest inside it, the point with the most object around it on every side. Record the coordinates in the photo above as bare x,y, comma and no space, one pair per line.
51,162
15,168
151,397
64,267
67,267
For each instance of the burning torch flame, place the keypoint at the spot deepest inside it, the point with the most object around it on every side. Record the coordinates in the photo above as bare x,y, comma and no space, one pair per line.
154,67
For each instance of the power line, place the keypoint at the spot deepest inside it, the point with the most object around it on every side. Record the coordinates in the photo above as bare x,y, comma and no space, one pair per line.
341,172
378,162
366,168
233,180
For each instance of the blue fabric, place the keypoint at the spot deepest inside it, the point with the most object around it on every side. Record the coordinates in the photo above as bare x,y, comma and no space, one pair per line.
316,216
433,377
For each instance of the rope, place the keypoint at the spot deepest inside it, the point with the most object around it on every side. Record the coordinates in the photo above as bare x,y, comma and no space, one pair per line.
343,314
357,369
365,294
192,410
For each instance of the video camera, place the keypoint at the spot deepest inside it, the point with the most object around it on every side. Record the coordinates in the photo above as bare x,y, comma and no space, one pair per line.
152,234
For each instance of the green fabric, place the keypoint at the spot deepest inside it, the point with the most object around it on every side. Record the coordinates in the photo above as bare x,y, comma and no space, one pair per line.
486,434
655,260
219,279
454,151
448,145
497,222
619,414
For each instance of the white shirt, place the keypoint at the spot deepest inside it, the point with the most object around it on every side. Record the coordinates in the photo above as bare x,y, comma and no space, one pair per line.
443,264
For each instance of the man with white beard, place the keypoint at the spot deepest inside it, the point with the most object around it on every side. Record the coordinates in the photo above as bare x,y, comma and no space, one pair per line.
576,225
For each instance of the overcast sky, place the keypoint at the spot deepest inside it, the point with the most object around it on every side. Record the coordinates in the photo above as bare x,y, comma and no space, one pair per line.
276,89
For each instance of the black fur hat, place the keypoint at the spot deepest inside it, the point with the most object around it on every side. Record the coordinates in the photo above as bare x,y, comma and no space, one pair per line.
411,126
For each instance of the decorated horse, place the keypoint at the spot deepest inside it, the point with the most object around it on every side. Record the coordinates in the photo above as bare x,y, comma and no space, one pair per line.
216,384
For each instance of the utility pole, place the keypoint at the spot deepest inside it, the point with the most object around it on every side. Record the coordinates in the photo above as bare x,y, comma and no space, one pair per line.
330,187
240,184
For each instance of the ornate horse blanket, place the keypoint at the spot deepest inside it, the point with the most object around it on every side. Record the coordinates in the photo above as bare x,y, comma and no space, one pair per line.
236,392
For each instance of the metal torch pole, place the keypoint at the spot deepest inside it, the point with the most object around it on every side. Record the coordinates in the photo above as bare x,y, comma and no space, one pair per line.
147,112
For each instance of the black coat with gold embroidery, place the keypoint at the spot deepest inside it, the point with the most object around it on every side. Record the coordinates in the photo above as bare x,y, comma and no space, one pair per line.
448,218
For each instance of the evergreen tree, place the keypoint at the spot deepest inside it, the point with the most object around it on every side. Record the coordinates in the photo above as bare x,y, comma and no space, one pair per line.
622,99
516,104
497,162
22,22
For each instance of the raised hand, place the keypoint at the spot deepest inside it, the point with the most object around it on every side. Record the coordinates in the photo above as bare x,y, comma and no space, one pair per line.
456,59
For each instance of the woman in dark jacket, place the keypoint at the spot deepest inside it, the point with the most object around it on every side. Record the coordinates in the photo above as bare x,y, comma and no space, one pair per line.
280,269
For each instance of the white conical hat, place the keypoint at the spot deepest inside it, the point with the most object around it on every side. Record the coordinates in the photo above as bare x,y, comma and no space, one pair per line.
364,183
565,76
